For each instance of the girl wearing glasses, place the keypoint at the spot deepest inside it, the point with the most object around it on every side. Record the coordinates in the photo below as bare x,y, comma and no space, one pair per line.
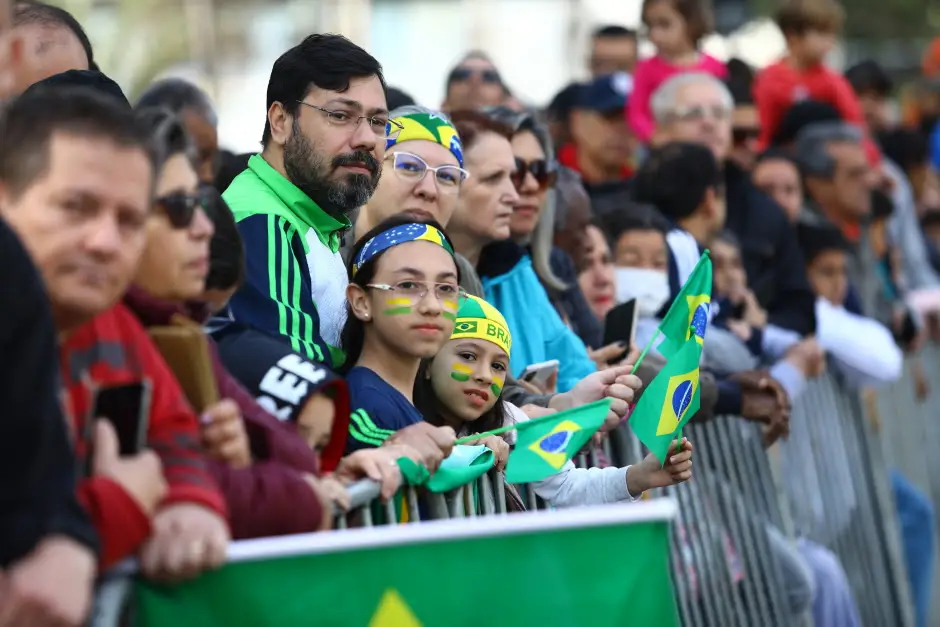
461,387
402,301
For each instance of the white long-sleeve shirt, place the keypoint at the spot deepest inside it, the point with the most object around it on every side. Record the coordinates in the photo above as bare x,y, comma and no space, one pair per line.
573,486
864,348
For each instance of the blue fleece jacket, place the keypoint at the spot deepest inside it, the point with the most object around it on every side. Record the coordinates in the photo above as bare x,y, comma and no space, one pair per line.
538,332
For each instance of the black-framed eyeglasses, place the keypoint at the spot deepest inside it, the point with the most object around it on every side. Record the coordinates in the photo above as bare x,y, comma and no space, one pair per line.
381,125
413,168
461,74
742,135
179,208
544,172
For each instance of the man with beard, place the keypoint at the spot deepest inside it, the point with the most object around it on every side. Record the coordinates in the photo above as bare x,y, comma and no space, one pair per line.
323,145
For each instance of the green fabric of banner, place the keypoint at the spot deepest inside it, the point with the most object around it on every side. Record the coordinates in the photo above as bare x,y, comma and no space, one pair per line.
590,570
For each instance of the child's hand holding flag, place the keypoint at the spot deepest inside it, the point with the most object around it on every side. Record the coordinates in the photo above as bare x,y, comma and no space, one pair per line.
649,474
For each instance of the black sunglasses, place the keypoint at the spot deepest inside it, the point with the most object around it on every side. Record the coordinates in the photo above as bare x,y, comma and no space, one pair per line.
543,171
180,208
461,74
742,135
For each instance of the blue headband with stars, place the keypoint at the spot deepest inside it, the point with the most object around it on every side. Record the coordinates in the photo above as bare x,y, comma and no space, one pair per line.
400,235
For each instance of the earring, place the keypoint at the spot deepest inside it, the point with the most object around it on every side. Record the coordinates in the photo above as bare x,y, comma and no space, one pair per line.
366,316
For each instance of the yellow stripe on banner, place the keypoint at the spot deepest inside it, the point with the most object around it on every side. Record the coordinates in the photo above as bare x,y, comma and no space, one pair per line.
399,302
403,515
464,368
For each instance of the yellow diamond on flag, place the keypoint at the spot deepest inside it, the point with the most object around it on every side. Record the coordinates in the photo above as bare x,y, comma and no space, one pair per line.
553,446
679,394
393,612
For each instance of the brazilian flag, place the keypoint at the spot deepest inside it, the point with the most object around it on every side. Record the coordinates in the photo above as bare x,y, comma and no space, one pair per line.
670,399
545,444
687,317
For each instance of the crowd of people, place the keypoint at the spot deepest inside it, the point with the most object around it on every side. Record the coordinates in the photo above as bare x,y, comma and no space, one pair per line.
374,282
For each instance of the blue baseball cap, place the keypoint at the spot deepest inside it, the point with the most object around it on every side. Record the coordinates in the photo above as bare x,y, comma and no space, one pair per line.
605,93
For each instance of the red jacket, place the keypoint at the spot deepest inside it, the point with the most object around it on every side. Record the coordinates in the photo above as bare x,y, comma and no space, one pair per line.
270,497
780,85
114,349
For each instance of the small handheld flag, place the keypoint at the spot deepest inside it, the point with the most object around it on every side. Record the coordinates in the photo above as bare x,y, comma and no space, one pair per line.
463,465
670,400
544,446
687,317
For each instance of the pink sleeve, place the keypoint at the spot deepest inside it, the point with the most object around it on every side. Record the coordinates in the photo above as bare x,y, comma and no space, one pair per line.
769,85
714,67
639,113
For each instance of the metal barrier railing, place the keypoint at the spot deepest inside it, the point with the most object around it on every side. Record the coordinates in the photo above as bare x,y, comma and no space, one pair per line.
904,418
835,481
740,515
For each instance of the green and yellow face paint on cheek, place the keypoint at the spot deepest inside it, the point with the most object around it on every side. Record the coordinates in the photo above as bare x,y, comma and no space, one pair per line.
450,309
461,372
398,307
478,320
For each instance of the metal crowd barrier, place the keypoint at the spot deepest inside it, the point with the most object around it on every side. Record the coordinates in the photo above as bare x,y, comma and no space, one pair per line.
904,416
741,514
836,484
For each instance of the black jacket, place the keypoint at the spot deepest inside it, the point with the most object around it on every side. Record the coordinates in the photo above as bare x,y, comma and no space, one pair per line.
37,468
771,254
571,303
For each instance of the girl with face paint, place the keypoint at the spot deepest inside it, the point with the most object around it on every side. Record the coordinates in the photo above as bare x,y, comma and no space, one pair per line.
460,387
402,300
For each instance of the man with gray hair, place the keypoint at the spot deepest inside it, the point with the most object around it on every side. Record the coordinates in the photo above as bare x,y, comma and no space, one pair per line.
194,108
836,171
696,107
838,182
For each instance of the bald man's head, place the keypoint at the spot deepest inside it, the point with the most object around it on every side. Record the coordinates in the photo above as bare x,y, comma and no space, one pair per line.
53,42
6,15
11,52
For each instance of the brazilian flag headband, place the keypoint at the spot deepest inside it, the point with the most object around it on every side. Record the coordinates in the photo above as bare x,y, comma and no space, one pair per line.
401,234
427,126
479,320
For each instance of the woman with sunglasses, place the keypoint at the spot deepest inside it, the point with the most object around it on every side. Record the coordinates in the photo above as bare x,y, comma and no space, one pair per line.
266,470
534,219
481,228
402,301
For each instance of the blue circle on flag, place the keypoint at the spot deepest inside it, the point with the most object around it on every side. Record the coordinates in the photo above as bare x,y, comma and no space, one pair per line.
700,320
556,442
681,398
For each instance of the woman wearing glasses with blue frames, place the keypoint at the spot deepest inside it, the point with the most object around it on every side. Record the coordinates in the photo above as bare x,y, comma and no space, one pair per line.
423,169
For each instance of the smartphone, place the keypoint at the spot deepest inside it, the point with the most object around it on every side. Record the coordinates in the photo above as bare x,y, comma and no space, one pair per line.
127,408
620,326
540,373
